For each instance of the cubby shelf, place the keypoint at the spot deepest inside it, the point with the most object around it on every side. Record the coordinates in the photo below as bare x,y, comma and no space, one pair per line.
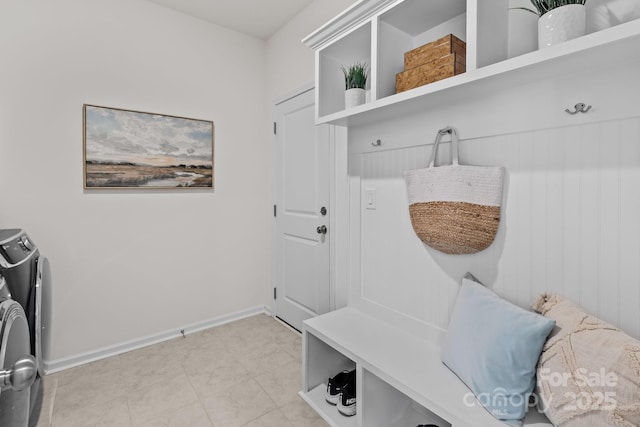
315,398
381,37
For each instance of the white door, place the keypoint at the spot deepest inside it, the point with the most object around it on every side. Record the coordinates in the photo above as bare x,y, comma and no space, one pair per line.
302,271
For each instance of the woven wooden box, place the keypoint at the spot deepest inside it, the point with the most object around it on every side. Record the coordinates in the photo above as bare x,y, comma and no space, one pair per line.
435,50
438,69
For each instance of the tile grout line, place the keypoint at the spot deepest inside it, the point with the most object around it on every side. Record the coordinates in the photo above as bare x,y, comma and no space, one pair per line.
198,396
270,398
129,411
53,401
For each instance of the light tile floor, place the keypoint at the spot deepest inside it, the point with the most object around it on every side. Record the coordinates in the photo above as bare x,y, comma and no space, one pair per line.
244,373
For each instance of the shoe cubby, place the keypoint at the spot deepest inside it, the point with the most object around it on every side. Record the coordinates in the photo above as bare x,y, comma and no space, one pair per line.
322,362
385,406
346,339
353,47
409,25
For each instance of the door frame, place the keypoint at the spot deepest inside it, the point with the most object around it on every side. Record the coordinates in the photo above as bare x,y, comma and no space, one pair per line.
336,297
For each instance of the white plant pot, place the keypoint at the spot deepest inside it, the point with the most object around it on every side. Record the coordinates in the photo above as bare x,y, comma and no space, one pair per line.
561,24
354,97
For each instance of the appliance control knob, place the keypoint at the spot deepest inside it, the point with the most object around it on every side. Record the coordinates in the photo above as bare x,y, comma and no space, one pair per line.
26,243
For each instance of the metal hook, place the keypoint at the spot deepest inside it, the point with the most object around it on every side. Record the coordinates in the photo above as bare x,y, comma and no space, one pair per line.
579,108
378,143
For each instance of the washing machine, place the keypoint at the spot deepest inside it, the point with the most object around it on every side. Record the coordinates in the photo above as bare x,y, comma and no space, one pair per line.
18,368
28,279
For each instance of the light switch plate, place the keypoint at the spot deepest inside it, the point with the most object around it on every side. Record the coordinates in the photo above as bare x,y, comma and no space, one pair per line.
370,198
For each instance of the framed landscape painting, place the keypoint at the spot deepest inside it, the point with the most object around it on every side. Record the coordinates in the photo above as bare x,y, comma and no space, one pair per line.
132,149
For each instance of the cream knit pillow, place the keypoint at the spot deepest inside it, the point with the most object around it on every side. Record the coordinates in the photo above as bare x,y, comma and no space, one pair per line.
589,371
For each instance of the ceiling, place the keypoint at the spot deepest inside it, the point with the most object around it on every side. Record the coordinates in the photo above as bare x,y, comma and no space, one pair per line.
257,18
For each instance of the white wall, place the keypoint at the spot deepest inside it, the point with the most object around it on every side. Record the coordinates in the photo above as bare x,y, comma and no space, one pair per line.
131,264
290,64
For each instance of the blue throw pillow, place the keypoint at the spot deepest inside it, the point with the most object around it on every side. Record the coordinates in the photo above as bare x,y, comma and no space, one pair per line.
493,346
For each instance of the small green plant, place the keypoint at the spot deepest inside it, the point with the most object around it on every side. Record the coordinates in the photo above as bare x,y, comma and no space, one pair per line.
355,76
544,6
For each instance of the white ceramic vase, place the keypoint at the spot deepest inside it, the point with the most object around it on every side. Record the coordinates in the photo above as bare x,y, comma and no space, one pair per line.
354,97
561,24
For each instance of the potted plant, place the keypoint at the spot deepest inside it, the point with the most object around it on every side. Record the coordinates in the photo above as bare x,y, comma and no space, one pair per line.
355,80
559,20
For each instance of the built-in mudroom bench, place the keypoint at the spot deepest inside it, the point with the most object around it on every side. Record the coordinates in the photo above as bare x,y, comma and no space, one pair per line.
402,381
570,204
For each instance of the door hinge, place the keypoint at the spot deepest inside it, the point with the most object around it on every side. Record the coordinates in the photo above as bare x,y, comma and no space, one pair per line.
275,293
275,128
275,211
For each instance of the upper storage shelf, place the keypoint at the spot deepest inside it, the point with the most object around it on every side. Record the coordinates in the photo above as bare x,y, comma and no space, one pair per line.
379,32
408,25
344,52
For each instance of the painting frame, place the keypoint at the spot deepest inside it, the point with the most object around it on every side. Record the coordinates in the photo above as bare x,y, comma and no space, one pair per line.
126,149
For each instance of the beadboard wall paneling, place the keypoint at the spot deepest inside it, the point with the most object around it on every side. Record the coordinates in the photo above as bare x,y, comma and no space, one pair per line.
570,224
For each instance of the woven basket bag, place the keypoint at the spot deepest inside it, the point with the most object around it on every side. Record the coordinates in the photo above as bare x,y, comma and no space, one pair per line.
455,208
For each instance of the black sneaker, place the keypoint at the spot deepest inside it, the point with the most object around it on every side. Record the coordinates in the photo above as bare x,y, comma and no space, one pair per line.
347,403
335,385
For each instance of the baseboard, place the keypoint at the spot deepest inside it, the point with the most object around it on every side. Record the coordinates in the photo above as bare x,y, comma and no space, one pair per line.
53,366
268,311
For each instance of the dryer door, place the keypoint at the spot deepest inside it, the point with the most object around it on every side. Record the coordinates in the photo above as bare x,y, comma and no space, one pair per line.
14,345
43,313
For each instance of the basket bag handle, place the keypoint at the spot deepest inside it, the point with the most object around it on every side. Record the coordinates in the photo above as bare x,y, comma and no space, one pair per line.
454,146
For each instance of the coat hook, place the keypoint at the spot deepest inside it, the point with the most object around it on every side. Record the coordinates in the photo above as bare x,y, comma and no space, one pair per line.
378,143
579,108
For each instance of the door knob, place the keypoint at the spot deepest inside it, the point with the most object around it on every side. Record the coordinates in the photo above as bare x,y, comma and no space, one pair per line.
322,229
